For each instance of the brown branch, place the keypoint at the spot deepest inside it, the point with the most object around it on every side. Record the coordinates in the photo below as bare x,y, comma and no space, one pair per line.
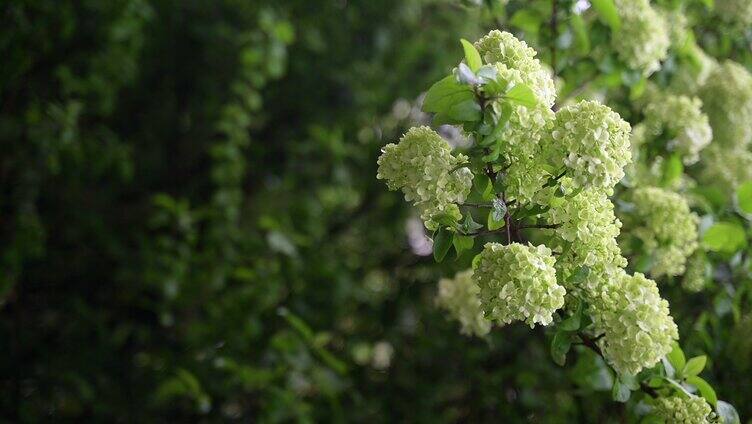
547,226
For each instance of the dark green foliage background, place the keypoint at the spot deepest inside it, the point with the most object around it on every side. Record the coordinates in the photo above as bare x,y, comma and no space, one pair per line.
191,228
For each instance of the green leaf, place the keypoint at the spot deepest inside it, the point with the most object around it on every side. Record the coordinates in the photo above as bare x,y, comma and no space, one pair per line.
744,197
608,13
727,413
673,168
713,195
445,220
462,243
726,237
482,186
472,57
676,357
579,275
465,111
499,210
620,392
535,210
560,346
630,381
704,388
446,93
522,95
695,365
493,224
442,241
582,41
469,225
572,323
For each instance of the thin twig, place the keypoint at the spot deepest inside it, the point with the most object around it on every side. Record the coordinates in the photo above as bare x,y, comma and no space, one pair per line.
547,226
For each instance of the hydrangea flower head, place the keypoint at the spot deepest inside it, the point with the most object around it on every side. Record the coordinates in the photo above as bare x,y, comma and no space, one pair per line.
635,320
460,297
679,410
518,283
642,42
422,165
681,121
503,47
593,143
725,168
661,219
727,100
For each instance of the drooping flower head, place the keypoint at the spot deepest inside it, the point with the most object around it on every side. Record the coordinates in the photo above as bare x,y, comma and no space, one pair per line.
635,320
460,297
679,410
593,143
642,42
422,165
518,283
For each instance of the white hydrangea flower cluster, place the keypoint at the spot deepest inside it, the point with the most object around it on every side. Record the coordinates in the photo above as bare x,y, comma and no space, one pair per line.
695,278
636,322
642,42
503,47
460,297
726,168
727,100
516,63
738,12
586,237
667,228
679,410
681,119
588,224
422,165
518,282
593,141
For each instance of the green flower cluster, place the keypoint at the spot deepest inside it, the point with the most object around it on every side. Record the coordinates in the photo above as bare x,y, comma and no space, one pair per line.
725,168
696,277
504,48
518,282
642,42
667,228
516,63
587,230
738,12
422,165
680,120
679,410
593,142
460,297
727,99
635,320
